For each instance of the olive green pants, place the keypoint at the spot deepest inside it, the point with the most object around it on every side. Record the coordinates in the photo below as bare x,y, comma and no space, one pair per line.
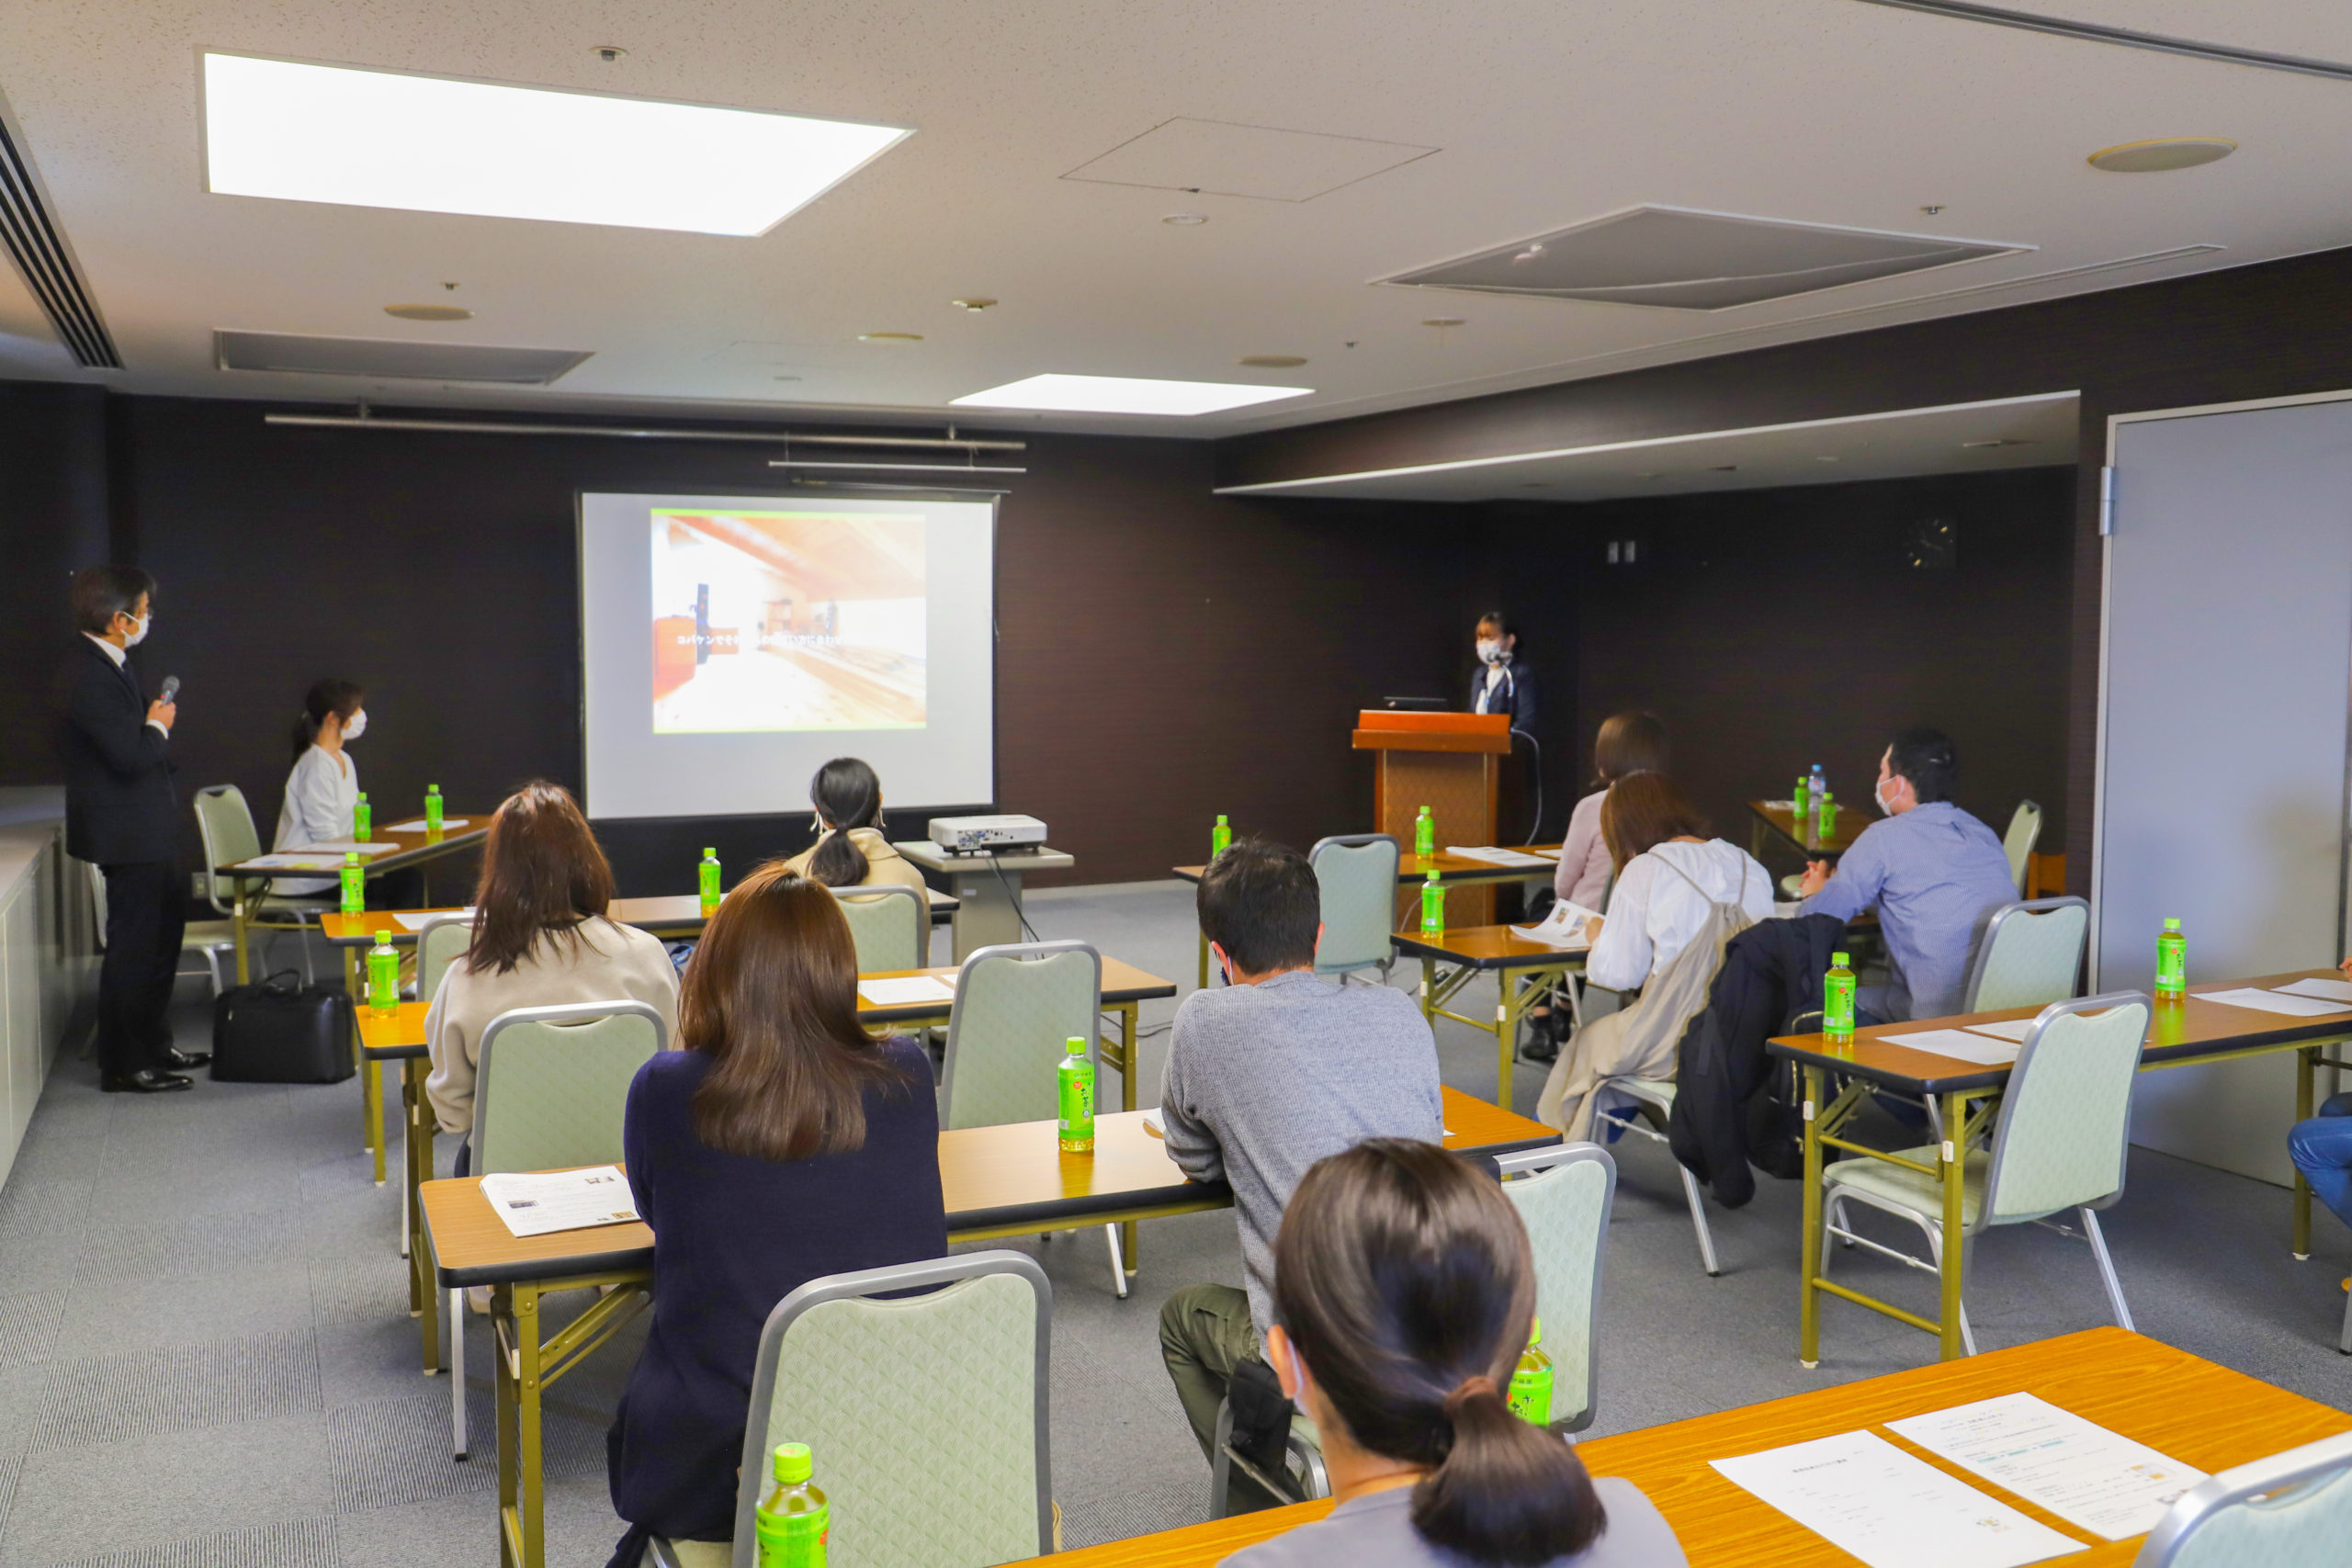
1205,1332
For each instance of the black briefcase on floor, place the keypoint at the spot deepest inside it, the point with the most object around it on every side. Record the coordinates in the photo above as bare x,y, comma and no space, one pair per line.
282,1032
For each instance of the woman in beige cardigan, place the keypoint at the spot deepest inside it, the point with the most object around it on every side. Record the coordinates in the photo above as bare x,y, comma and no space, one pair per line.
850,851
540,939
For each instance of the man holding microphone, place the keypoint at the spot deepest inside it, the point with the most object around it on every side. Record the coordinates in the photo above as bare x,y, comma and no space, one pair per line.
122,813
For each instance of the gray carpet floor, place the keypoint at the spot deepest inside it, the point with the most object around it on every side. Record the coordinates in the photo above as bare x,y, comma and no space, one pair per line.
205,1358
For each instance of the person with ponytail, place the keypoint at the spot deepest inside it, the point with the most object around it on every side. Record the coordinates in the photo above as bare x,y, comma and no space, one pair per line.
850,851
322,792
1404,1293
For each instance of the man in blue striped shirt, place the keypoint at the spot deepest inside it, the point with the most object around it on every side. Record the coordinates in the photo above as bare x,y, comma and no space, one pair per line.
1934,873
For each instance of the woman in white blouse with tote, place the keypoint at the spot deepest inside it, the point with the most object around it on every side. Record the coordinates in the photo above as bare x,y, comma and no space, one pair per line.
322,792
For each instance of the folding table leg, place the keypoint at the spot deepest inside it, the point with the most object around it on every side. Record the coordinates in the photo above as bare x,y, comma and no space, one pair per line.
1954,1163
1809,1267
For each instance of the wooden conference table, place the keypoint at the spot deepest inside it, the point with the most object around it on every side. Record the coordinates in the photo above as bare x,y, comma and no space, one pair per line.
399,1036
250,878
998,1181
1526,972
1451,871
2197,1413
1775,819
2179,1035
666,915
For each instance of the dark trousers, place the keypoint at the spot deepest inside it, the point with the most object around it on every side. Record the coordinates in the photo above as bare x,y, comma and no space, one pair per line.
146,912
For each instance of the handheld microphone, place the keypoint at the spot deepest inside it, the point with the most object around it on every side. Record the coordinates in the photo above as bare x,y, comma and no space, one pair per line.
171,688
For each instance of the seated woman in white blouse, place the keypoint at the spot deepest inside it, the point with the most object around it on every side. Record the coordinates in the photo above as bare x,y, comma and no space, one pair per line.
323,791
1670,877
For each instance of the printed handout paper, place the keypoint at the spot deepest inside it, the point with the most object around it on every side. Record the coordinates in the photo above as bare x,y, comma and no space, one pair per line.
542,1203
2081,1472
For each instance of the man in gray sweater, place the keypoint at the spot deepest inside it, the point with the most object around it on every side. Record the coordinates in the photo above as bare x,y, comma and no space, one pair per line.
1265,1076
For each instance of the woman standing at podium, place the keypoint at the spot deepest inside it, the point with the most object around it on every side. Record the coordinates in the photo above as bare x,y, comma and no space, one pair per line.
1502,683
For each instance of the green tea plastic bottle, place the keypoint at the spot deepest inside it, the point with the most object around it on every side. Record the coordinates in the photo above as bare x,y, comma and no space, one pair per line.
383,974
1530,1383
1837,999
1797,802
1432,905
1824,814
1076,1099
795,1521
2172,961
355,884
363,821
433,811
708,883
1424,833
1220,837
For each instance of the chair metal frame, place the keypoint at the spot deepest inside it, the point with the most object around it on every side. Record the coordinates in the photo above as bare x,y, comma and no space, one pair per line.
896,890
567,1012
1833,1209
1388,961
1301,1445
1028,951
944,1272
1628,1119
2280,1480
267,903
201,939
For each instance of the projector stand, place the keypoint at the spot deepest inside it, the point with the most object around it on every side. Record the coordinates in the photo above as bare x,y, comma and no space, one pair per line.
987,890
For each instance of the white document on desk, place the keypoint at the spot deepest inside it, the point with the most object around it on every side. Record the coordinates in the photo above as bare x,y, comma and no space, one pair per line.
416,825
2328,990
417,922
542,1203
2055,1460
2270,1001
1564,927
1891,1509
355,847
1958,1042
293,863
1493,856
2017,1029
911,991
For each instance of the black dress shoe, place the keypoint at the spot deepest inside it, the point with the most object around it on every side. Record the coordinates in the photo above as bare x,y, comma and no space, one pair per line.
186,1061
1539,1047
146,1080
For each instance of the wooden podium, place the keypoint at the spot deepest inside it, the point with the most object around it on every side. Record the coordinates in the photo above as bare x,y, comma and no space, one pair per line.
1450,763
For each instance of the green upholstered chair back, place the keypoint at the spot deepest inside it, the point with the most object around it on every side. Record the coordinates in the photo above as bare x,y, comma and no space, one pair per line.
553,1083
889,923
2025,831
2031,955
442,941
925,1415
2067,1111
225,823
1563,1199
2291,1510
1357,875
1017,1007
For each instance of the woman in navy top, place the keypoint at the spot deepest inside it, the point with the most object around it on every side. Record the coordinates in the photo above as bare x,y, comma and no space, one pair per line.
778,1144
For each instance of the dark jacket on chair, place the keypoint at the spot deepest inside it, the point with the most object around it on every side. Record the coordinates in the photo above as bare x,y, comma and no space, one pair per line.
121,805
1731,1107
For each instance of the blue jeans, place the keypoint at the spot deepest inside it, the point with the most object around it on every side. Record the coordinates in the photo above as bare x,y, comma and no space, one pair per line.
2321,1150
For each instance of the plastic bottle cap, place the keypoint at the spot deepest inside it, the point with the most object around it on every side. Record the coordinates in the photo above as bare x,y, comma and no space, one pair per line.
383,939
710,855
351,857
1837,960
2172,922
1536,1332
792,1463
1220,819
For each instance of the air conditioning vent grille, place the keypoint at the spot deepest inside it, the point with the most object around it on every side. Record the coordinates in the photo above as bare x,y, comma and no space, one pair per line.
386,359
39,250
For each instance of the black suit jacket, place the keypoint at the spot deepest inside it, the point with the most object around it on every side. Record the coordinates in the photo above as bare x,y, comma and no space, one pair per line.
122,804
1515,695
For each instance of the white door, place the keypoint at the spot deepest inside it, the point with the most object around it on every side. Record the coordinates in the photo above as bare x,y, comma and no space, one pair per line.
2228,677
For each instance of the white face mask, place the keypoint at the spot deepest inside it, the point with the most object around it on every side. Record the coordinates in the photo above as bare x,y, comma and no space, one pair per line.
1490,651
1878,794
139,635
355,725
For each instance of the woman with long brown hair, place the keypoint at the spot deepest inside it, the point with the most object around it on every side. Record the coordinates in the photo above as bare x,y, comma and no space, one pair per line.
541,939
778,1144
1677,892
1405,1292
1630,743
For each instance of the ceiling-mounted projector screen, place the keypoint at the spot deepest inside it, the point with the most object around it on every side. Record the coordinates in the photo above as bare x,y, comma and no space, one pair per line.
730,645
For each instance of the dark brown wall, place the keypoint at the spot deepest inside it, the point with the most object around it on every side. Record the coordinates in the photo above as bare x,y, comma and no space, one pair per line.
1163,655
2276,330
52,521
1774,629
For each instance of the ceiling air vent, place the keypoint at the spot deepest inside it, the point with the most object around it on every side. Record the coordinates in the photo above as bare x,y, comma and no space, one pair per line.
39,249
1695,261
382,359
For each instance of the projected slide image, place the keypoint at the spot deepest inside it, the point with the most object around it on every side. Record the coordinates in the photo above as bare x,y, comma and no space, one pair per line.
768,621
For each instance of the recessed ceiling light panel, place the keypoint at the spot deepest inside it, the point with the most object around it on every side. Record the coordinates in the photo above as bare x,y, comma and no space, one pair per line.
357,137
1125,394
2164,153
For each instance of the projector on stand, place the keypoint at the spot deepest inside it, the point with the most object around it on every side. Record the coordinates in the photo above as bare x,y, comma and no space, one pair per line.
987,835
